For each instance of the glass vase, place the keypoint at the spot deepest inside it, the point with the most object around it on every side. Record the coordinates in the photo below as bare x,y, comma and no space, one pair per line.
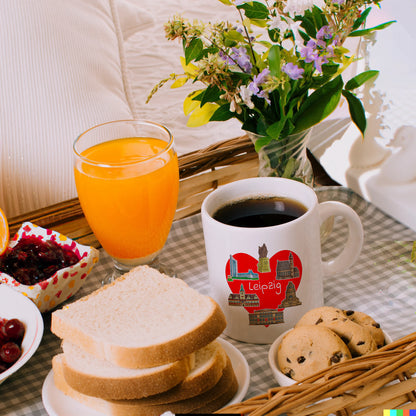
286,157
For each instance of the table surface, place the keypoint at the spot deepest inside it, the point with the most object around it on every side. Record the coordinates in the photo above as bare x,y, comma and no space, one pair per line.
382,283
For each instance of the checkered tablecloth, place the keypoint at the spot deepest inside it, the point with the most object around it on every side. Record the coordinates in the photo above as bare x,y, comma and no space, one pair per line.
382,283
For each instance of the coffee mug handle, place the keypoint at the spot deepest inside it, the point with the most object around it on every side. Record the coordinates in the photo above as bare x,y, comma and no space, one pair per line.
354,243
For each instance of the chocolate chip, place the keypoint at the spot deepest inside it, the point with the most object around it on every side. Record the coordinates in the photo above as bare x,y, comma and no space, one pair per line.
290,373
349,312
376,325
288,360
319,321
336,358
301,359
335,319
360,342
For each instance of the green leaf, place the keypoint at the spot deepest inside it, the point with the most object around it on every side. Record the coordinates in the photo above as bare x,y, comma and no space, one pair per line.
222,113
205,52
364,32
319,17
361,19
255,10
210,94
274,130
309,26
261,142
258,22
227,2
304,36
234,35
193,50
356,111
360,79
319,105
273,59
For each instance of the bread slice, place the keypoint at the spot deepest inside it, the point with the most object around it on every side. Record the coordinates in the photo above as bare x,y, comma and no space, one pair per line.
142,319
213,399
100,378
210,362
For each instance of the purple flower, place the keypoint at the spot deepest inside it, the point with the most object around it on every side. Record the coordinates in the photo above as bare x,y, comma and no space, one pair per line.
309,53
292,70
319,61
240,57
325,32
261,78
338,1
254,86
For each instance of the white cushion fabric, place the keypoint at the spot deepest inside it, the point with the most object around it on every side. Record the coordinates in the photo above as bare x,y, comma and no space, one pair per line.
151,58
62,70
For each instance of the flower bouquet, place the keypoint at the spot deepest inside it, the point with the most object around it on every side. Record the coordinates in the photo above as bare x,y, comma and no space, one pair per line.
278,70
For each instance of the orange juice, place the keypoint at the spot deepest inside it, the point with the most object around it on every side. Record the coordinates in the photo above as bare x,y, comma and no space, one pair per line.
128,193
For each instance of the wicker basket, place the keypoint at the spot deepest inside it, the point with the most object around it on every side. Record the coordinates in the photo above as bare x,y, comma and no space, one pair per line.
362,386
204,170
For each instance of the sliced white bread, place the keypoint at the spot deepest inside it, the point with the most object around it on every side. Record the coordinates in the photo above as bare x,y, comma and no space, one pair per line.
142,319
210,362
96,377
213,399
99,378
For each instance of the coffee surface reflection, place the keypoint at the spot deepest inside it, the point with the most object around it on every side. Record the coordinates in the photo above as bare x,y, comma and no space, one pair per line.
260,212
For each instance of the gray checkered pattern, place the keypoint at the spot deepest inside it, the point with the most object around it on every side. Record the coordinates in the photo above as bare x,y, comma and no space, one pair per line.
382,283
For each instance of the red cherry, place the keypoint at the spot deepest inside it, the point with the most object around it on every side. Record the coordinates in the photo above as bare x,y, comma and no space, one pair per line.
10,352
13,330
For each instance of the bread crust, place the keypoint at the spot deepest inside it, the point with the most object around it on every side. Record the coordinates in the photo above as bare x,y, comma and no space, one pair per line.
162,379
208,401
141,356
194,385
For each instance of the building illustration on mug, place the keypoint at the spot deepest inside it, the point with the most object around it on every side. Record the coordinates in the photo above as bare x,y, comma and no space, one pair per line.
250,294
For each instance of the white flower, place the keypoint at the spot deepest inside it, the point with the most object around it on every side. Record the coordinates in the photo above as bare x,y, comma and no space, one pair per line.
278,23
297,7
288,44
245,94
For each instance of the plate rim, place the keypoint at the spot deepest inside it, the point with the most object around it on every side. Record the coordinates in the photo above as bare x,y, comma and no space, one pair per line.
30,351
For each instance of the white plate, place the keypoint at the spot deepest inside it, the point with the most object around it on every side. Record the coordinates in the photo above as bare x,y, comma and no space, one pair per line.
15,305
57,403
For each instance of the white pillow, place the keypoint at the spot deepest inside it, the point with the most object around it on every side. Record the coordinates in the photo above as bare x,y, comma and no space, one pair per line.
62,71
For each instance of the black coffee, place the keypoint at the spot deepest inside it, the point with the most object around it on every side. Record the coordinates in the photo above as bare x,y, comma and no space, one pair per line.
260,212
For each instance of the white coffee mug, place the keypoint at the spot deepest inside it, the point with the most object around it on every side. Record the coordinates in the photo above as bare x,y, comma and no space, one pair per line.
265,278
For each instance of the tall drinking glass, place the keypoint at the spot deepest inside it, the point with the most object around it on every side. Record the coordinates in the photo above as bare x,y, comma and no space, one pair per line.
127,178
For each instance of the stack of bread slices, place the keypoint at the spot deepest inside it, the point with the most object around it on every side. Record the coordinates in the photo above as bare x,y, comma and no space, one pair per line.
142,345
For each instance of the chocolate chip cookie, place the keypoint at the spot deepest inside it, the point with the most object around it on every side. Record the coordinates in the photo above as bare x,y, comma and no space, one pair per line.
304,350
368,322
358,338
321,315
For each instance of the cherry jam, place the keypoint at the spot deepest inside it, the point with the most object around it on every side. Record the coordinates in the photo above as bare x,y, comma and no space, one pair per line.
33,260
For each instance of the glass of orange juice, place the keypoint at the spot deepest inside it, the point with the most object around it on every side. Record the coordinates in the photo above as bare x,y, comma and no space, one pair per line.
127,178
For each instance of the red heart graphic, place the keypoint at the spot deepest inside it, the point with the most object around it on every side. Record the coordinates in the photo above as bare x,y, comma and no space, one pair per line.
264,287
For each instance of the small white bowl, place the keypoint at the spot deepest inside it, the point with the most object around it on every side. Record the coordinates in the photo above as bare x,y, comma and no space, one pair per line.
15,305
278,375
282,379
